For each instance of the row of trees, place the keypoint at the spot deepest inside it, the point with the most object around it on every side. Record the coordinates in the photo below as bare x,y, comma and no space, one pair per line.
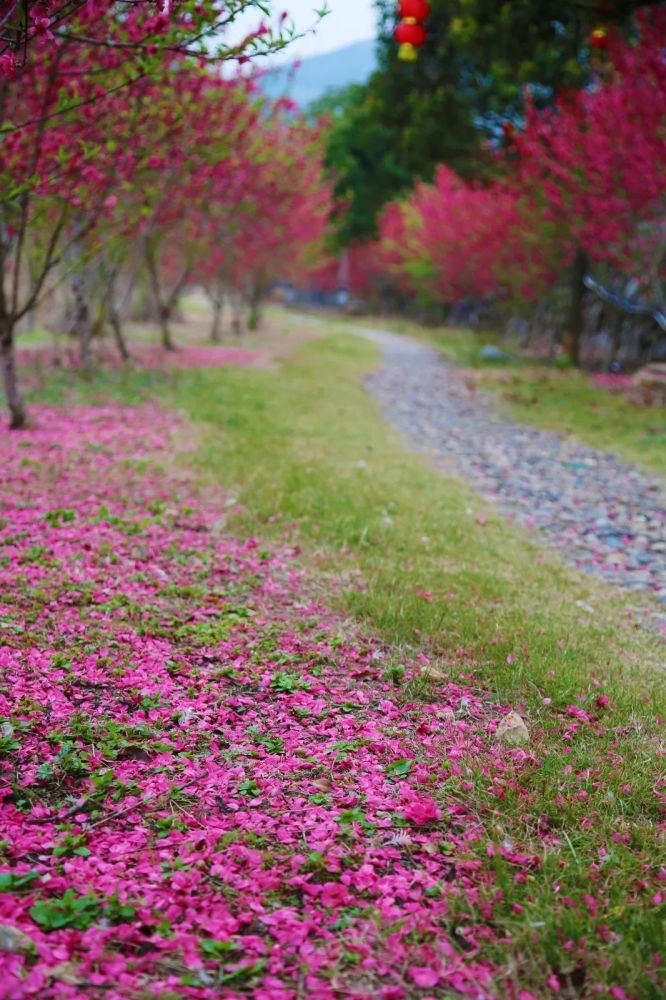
526,148
581,185
131,165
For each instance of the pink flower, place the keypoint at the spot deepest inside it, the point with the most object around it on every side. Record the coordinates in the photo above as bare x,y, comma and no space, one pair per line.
424,976
424,595
421,809
333,894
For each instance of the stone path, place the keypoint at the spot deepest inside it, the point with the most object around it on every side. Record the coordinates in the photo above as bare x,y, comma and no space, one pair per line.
605,516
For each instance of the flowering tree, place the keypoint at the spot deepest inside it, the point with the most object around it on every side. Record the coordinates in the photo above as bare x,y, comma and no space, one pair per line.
582,183
284,221
204,169
453,239
91,70
266,213
155,28
58,176
596,164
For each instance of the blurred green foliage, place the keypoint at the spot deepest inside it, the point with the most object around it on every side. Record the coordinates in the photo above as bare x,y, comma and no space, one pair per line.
449,105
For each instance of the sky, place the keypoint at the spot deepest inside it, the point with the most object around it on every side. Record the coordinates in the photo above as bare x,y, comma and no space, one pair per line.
348,21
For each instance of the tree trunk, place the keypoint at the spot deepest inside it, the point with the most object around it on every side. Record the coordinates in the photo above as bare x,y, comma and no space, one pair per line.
82,325
216,326
254,316
165,329
254,310
118,336
616,339
163,309
575,324
176,312
15,404
236,301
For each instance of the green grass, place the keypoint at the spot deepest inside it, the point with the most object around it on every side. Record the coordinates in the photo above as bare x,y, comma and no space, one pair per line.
567,401
39,337
307,456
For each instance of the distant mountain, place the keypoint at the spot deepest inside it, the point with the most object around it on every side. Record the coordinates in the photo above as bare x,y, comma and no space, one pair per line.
317,74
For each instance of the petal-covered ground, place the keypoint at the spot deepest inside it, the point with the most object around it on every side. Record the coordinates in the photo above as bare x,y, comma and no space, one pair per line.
205,788
150,356
211,785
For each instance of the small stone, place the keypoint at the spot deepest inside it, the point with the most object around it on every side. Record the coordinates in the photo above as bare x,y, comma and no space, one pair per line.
66,972
492,353
512,730
13,941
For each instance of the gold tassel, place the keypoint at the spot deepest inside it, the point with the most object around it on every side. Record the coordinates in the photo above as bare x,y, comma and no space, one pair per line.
407,52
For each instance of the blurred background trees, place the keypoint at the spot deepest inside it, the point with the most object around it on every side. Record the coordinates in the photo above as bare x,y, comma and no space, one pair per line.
556,108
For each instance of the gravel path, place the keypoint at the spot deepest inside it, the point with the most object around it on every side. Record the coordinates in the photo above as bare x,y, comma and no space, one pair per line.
605,516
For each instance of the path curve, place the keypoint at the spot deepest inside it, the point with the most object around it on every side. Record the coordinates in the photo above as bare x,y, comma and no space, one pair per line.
605,516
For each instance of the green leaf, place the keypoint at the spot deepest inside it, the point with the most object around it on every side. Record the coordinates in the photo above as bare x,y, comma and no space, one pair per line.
212,949
80,912
285,682
15,881
399,768
250,788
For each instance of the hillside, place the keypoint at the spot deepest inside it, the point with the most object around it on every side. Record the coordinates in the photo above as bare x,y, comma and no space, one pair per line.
317,74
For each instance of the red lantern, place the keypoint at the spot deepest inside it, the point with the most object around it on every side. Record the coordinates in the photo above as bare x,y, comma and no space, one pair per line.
408,33
598,39
418,9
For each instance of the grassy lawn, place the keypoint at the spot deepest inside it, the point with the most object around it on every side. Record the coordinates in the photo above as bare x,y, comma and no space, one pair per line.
548,396
566,401
305,454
